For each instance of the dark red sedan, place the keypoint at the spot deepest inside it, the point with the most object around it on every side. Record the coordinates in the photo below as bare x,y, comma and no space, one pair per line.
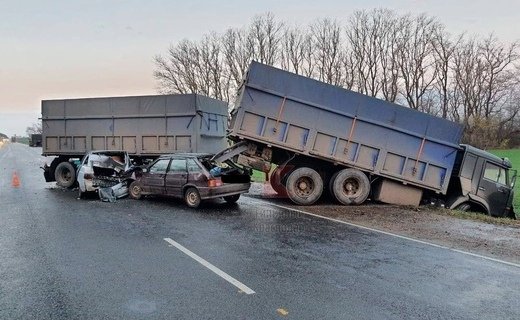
192,176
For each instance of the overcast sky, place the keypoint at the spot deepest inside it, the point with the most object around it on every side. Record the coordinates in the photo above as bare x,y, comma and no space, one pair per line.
70,49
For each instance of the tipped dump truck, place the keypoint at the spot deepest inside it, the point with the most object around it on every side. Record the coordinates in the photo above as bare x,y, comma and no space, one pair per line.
323,138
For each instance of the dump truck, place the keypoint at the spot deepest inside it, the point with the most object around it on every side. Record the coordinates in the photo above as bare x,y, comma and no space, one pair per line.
35,140
323,138
144,127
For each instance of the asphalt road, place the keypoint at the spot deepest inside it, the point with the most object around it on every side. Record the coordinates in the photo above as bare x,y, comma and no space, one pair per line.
64,258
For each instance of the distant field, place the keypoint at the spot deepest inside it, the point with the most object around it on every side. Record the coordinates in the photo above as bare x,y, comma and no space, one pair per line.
514,156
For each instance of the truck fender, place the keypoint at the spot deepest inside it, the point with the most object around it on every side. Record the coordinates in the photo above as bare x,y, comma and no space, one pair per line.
469,198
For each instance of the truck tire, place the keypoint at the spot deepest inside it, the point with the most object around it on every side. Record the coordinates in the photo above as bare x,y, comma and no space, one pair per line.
65,174
304,186
276,178
192,198
464,207
350,186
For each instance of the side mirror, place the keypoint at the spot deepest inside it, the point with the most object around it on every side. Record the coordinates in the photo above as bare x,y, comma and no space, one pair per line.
513,179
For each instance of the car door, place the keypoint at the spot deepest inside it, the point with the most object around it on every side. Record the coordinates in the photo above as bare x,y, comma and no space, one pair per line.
176,177
493,187
153,181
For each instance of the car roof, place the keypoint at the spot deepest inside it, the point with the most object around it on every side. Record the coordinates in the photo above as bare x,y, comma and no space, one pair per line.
107,152
186,155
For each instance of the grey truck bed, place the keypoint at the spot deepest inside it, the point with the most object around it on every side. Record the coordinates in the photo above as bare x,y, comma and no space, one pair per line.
299,114
140,125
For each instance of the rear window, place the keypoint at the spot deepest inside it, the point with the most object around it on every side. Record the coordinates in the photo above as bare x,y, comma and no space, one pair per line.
193,166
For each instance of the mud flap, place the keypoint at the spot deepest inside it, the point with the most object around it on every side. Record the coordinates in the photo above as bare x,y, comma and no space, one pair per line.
47,174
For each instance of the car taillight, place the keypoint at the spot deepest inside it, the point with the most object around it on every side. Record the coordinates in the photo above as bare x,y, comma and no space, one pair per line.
88,176
214,183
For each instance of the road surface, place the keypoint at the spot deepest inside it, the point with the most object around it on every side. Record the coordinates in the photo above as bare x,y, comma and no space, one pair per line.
64,258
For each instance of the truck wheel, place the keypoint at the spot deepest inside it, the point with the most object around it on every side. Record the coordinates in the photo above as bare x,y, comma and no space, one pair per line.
275,180
465,207
135,190
192,198
232,199
350,186
65,174
304,186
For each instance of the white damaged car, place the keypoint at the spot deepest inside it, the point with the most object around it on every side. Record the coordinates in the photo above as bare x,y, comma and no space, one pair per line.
106,172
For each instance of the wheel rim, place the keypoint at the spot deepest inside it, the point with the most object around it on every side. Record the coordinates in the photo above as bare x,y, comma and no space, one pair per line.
191,197
136,191
351,187
65,175
304,186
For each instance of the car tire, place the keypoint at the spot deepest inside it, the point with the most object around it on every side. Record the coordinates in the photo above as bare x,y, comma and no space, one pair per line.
65,174
135,190
232,199
192,197
350,186
304,186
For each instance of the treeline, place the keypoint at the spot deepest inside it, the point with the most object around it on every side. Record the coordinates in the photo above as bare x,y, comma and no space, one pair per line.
408,59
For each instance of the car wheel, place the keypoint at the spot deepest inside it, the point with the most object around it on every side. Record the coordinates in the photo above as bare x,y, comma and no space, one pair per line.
192,197
65,174
135,190
304,186
232,199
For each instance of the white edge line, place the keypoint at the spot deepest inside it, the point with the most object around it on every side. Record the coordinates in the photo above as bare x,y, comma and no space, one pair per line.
394,235
211,267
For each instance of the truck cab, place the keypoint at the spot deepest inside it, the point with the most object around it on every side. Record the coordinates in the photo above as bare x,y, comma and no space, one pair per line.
482,182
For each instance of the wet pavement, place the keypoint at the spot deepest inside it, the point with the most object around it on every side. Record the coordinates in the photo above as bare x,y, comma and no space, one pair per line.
64,258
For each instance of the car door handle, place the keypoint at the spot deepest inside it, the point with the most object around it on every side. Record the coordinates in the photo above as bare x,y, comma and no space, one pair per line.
482,188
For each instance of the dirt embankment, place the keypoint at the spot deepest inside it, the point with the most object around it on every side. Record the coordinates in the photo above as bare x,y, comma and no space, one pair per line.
497,238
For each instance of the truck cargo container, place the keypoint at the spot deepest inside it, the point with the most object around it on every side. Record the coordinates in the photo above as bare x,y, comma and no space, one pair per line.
143,126
323,137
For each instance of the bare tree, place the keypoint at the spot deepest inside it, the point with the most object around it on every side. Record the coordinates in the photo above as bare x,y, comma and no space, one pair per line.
238,53
265,35
444,49
177,73
327,50
364,36
34,128
416,61
485,83
293,50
